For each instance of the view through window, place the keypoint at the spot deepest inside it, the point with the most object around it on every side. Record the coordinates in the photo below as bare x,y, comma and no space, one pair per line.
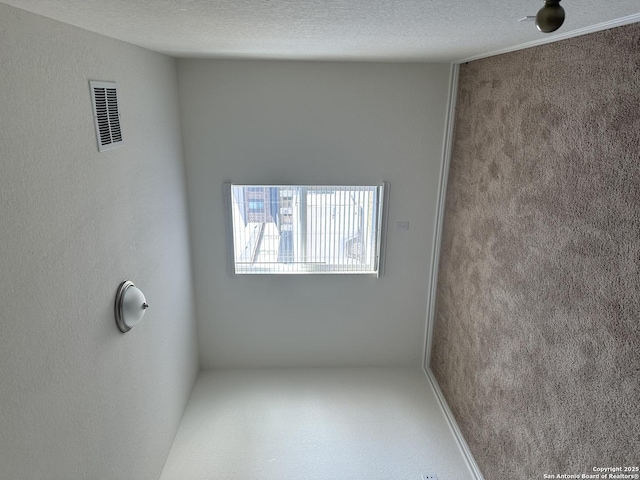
306,229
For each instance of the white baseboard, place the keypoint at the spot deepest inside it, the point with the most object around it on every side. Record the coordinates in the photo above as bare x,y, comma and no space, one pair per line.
442,194
618,22
453,425
435,257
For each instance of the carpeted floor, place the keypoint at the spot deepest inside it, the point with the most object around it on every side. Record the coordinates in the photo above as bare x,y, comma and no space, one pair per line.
537,334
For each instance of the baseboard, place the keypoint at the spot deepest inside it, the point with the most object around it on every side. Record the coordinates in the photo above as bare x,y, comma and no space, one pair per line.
618,22
435,258
453,425
437,230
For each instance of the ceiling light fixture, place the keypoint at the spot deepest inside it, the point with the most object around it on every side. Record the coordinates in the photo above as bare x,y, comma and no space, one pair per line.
550,17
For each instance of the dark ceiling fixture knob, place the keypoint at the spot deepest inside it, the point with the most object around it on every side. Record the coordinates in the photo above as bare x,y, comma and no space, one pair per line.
550,17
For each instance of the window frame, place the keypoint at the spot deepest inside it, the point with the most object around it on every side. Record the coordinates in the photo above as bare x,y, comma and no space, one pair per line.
381,216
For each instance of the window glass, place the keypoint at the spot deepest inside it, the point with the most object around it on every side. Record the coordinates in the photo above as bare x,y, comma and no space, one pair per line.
306,229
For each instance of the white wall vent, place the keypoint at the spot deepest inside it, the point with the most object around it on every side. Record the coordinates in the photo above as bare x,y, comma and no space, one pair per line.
106,114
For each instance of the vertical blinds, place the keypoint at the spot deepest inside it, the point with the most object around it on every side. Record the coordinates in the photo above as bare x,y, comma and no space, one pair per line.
281,229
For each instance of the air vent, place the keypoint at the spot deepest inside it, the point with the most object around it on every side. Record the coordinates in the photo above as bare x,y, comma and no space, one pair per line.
106,114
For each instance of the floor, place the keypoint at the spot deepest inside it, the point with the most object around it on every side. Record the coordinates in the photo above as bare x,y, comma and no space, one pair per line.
286,424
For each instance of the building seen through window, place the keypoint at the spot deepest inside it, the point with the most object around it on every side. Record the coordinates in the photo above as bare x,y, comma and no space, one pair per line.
306,229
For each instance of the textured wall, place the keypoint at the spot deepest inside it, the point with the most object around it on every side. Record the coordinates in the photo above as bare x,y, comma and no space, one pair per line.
354,30
317,123
536,341
314,424
78,399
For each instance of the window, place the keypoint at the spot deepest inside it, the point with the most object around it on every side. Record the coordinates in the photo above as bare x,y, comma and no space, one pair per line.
306,229
256,206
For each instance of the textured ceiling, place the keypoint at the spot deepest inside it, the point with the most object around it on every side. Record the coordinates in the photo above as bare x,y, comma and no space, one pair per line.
406,30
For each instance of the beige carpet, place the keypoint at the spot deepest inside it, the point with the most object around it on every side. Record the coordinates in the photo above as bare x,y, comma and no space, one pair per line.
536,341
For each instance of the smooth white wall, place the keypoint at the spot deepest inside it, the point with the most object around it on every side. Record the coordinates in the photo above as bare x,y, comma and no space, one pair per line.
78,399
317,123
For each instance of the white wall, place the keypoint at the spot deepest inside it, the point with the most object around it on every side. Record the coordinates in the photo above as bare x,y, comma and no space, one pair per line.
314,424
303,122
78,399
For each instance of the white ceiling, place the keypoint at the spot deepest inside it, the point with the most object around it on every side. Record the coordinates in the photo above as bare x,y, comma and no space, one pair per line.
380,30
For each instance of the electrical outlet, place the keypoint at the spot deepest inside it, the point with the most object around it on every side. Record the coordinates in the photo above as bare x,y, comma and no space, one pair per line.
429,477
402,226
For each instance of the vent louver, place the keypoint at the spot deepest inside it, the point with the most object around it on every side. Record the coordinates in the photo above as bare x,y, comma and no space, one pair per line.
106,114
